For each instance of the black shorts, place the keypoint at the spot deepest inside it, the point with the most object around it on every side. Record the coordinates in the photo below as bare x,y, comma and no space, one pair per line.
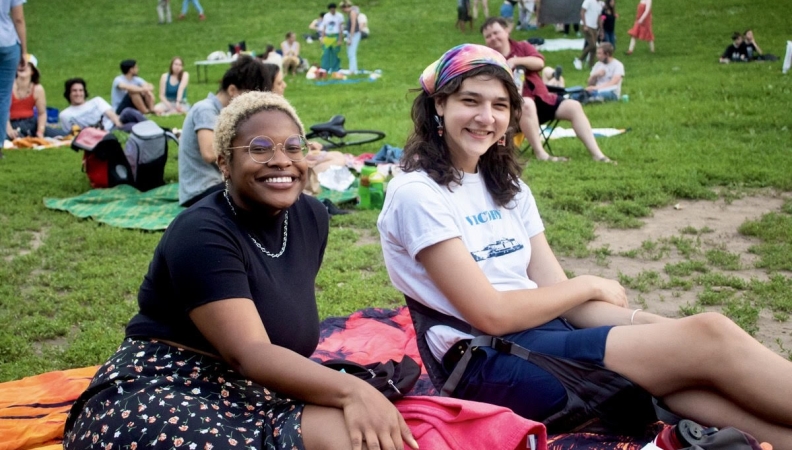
126,102
463,15
546,112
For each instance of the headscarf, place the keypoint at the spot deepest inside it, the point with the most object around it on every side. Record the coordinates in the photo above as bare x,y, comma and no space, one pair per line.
457,61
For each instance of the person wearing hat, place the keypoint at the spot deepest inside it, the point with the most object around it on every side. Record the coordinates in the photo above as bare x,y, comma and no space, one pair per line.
27,98
13,44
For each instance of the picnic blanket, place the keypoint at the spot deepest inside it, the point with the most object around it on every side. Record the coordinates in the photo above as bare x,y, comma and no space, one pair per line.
560,132
33,410
124,206
556,45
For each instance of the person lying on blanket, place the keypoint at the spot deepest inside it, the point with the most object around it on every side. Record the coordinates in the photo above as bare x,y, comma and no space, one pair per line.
461,235
218,354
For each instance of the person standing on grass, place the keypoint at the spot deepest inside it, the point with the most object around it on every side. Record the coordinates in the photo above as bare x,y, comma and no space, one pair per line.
484,8
131,91
199,174
608,29
353,33
463,15
164,11
196,4
539,105
332,38
642,28
590,12
13,48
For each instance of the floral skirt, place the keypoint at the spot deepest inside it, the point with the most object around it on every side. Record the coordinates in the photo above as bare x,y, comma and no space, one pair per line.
153,395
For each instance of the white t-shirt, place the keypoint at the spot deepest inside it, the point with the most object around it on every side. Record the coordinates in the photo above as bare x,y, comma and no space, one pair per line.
331,23
593,10
86,115
117,94
613,68
419,213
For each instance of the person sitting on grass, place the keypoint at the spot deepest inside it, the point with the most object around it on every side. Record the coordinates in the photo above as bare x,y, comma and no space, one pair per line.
291,54
95,112
462,237
199,174
27,99
605,80
539,105
736,52
173,89
129,90
218,354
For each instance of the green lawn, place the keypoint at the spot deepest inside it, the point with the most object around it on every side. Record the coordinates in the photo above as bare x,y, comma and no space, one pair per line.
699,130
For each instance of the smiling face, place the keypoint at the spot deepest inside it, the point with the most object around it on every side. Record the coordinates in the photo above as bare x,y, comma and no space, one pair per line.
275,185
475,117
496,38
77,94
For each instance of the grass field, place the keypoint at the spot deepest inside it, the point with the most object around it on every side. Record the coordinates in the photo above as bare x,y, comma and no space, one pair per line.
699,130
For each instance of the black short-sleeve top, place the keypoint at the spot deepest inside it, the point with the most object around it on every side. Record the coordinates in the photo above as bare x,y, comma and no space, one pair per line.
207,254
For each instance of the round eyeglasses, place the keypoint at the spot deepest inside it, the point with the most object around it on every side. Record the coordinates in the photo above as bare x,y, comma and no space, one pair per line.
262,148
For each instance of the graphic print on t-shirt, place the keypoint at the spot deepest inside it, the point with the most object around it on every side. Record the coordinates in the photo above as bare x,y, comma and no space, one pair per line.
498,248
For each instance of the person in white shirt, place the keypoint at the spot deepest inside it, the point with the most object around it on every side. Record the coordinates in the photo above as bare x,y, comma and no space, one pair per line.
590,12
604,83
332,38
94,112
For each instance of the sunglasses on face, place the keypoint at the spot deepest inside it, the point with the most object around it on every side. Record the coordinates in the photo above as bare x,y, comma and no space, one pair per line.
262,148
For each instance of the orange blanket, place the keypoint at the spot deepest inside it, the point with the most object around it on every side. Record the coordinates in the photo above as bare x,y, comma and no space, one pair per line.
26,425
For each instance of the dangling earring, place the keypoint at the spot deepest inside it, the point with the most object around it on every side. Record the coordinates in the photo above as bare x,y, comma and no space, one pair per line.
440,128
502,141
226,186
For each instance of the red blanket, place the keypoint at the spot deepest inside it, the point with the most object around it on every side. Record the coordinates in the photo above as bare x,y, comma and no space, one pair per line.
33,410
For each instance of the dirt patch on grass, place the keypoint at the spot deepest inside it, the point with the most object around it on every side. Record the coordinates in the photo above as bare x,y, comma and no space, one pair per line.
720,221
36,241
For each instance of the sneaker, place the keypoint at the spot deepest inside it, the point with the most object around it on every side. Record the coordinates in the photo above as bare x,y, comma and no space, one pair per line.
201,16
333,209
309,40
578,64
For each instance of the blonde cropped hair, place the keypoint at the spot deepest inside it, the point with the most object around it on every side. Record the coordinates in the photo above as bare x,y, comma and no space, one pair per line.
241,109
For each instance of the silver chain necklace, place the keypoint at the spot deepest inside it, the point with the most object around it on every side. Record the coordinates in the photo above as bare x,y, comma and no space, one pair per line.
261,247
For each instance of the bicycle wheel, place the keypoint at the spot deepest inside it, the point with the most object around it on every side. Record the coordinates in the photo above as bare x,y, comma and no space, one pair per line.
359,137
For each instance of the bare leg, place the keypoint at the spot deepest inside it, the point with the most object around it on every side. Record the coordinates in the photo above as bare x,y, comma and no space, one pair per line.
686,358
651,46
139,102
529,125
707,407
632,45
572,111
324,428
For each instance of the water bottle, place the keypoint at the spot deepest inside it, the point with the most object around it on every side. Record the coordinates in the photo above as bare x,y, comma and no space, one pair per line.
377,190
364,191
682,435
519,79
625,98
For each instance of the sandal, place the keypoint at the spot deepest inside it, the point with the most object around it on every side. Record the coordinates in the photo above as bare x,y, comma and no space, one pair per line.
554,159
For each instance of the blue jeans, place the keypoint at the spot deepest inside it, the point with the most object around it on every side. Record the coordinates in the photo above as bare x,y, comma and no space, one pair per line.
196,3
9,60
605,95
611,38
352,51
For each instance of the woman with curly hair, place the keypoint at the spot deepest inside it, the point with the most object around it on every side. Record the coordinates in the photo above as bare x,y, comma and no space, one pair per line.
463,240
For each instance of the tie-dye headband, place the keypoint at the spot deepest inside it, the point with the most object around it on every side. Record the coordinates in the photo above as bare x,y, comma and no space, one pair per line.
457,61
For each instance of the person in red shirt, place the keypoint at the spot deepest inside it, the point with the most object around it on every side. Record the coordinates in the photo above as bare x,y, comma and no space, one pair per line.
539,104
